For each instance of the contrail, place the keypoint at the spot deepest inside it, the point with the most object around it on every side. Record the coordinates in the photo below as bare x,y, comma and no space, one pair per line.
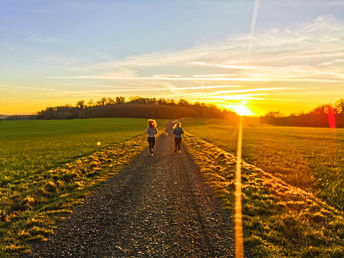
254,16
253,26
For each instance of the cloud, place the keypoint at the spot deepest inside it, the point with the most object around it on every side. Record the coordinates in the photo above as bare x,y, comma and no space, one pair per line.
248,90
170,88
227,66
43,40
297,56
310,3
55,91
236,97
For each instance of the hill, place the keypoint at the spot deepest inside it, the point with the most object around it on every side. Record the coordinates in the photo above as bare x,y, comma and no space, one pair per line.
137,107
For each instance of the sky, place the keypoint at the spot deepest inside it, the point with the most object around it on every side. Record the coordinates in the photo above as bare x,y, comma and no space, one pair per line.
272,55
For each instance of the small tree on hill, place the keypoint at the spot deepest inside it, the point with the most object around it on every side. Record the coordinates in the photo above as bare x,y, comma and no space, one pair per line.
81,104
340,106
120,100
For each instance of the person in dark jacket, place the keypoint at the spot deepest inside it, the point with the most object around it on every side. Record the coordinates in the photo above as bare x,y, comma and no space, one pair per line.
177,131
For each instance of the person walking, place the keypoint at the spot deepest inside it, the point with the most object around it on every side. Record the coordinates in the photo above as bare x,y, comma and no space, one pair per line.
177,131
151,131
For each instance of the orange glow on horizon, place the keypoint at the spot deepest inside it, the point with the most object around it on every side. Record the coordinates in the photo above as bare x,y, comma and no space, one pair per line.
23,106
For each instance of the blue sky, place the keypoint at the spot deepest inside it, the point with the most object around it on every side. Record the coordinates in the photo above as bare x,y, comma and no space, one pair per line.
265,54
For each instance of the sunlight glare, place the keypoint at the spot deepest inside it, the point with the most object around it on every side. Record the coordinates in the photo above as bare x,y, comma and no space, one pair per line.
241,110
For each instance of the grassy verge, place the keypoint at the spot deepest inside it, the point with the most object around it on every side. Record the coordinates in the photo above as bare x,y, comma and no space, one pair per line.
31,207
280,220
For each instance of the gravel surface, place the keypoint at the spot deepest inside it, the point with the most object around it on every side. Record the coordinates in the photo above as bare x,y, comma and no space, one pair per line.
157,206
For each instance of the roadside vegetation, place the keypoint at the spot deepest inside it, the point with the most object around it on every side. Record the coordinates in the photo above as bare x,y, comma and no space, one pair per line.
279,220
309,158
47,167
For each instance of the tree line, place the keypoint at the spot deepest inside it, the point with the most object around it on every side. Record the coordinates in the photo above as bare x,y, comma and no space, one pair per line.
322,116
134,107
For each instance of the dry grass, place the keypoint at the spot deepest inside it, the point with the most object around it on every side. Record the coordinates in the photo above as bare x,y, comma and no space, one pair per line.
280,220
309,158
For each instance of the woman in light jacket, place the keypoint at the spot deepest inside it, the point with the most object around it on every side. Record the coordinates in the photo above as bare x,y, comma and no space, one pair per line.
151,131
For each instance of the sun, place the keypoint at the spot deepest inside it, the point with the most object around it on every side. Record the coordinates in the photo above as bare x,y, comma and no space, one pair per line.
241,110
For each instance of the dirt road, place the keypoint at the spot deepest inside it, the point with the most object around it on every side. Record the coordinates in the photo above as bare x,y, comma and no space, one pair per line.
157,206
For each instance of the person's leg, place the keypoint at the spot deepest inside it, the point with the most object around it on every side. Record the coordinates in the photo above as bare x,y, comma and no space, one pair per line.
153,142
150,144
179,142
175,144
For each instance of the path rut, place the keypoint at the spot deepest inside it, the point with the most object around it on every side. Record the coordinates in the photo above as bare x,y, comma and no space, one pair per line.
156,206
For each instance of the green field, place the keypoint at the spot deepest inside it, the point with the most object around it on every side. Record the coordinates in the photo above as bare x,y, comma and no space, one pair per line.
49,166
29,147
310,158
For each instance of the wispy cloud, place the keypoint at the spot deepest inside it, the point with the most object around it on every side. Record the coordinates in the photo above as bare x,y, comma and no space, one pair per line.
164,78
112,89
227,66
43,40
311,3
56,91
294,57
237,97
275,55
224,92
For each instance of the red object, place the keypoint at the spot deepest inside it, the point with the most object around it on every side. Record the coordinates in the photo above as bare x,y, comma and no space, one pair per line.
331,118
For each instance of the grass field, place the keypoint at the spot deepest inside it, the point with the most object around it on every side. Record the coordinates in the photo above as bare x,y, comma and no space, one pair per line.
49,166
279,220
28,147
310,158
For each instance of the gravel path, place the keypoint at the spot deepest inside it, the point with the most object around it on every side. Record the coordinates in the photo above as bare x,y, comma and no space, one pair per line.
157,206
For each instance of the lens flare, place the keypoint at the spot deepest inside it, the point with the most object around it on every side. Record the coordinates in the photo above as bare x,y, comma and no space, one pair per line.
331,118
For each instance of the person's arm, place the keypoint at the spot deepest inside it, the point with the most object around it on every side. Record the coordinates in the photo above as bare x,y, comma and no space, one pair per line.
182,131
147,129
156,130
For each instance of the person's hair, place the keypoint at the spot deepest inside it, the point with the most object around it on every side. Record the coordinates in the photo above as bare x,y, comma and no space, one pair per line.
151,122
177,125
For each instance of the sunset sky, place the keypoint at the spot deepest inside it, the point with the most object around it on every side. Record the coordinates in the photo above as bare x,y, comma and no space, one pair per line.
272,55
